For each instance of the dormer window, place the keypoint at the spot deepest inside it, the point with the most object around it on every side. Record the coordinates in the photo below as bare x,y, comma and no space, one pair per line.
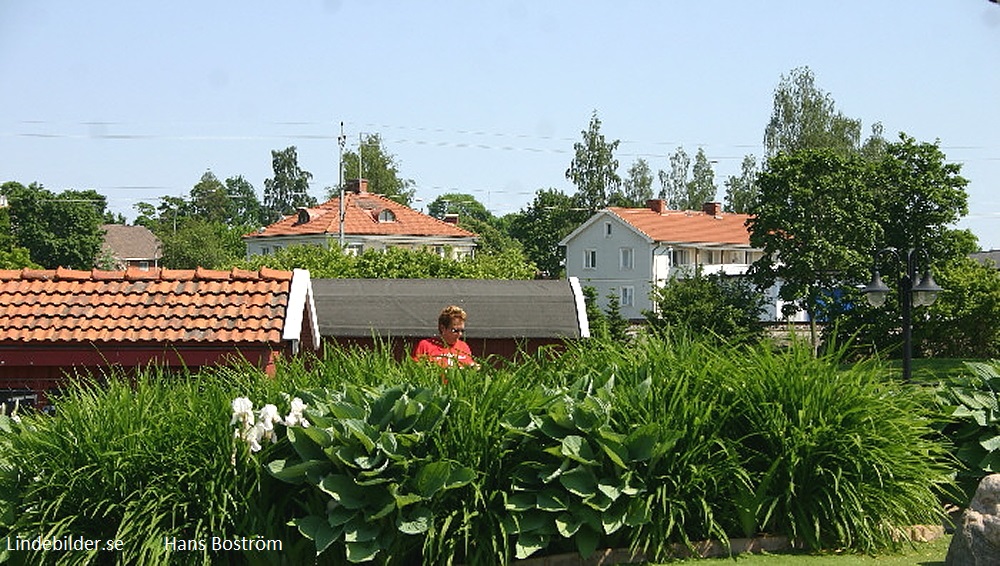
386,215
304,216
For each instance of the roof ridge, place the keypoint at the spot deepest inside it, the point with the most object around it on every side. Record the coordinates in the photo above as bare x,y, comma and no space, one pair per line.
153,274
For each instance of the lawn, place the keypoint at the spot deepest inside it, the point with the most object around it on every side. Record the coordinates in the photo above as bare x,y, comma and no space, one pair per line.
922,553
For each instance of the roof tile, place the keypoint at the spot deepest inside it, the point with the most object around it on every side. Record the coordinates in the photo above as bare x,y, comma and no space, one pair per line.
361,217
158,305
687,226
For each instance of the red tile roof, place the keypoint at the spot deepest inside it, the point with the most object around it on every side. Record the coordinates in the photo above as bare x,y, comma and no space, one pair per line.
687,226
159,305
361,217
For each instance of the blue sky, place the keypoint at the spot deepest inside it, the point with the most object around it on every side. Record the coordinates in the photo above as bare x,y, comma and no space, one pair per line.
138,99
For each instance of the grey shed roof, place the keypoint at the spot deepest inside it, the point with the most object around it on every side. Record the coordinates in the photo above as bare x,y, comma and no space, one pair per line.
410,307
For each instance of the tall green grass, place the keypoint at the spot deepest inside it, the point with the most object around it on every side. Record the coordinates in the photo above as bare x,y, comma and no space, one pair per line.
138,460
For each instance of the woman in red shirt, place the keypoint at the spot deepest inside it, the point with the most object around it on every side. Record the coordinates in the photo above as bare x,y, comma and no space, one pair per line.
448,349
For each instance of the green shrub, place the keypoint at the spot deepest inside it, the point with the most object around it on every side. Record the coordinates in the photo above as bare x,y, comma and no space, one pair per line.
970,407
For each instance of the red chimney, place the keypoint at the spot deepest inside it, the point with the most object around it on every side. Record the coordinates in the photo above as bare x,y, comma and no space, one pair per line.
712,208
357,186
658,206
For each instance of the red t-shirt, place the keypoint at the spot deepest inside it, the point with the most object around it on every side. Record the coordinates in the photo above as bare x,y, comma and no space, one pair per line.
437,351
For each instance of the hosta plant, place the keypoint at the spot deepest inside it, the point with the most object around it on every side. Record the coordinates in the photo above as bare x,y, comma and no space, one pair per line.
376,484
971,406
575,476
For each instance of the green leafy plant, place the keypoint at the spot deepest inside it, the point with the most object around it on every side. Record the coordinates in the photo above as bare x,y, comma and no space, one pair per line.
971,409
377,483
573,475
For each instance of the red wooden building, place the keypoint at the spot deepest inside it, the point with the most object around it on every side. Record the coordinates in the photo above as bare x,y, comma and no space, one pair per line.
55,324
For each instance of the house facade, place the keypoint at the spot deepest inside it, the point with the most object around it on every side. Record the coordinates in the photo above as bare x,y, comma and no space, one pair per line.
366,221
628,251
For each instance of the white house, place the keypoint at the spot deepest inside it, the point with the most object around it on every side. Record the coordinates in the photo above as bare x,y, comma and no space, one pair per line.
625,251
369,221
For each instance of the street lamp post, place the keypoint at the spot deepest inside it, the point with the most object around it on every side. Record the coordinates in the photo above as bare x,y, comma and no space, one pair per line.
911,293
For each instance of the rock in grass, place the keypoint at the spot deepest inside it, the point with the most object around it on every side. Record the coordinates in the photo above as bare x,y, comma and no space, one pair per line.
977,538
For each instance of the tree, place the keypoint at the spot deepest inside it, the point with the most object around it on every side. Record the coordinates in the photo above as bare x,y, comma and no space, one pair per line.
247,209
594,169
920,196
965,320
201,243
637,188
742,190
289,188
714,304
701,188
61,230
464,205
542,224
165,217
673,184
379,167
210,200
815,221
12,256
804,117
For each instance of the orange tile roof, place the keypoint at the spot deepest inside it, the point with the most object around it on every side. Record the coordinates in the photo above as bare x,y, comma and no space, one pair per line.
159,305
361,212
687,226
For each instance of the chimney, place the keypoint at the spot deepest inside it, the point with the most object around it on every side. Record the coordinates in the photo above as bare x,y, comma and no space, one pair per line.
451,218
357,186
712,208
658,206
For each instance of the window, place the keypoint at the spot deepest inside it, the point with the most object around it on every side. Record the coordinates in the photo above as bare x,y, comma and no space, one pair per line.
354,249
264,250
678,257
607,229
386,216
590,259
627,259
627,297
143,266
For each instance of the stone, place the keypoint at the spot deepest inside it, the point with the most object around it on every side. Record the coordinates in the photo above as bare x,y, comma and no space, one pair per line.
977,536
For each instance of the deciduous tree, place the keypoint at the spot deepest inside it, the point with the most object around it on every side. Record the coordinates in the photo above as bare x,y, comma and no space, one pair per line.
804,117
58,230
289,188
594,169
701,188
741,190
637,188
714,304
380,168
673,183
542,224
815,221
